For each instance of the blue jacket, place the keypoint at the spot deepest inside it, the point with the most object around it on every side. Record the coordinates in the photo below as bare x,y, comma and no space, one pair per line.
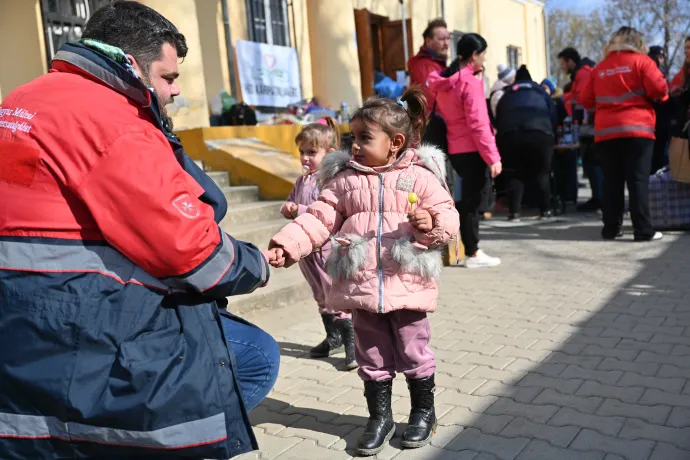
112,267
525,106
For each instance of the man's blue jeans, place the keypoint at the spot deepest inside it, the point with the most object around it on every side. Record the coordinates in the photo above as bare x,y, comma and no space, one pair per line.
257,357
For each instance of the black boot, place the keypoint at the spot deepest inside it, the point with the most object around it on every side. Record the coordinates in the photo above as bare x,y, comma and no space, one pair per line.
422,423
347,333
333,343
380,427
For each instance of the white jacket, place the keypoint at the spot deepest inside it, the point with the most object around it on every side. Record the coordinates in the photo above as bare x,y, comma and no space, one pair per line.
496,94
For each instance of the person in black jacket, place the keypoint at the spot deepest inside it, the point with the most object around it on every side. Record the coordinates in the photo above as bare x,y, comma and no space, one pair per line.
525,120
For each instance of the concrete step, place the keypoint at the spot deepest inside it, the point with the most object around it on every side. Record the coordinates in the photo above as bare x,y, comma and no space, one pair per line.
257,233
241,194
285,287
221,178
248,213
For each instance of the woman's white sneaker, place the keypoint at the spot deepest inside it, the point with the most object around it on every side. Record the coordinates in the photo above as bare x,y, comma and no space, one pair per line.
481,260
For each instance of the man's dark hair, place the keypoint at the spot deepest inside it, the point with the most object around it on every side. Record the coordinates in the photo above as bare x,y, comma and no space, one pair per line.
433,25
137,30
570,54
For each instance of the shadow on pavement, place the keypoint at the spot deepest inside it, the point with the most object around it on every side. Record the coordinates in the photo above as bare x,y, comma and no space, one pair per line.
577,351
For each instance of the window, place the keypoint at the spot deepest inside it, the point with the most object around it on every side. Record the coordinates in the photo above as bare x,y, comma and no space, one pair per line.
514,57
64,21
268,22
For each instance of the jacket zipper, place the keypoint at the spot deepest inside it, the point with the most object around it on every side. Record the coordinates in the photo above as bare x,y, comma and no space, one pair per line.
378,243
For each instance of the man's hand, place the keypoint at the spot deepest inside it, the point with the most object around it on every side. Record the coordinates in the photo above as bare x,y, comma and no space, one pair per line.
496,169
421,220
289,210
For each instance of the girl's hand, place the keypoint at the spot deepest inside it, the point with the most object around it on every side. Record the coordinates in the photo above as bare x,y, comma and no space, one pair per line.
276,257
289,210
496,169
421,220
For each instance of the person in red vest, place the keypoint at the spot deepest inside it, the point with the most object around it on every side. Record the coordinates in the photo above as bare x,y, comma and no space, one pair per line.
622,90
579,69
432,56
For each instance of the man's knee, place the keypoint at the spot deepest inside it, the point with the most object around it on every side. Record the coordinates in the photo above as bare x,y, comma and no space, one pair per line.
271,350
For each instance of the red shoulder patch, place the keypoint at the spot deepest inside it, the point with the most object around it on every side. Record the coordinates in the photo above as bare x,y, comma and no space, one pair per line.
18,163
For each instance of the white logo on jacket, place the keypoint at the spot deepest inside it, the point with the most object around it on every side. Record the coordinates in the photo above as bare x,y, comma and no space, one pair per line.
185,205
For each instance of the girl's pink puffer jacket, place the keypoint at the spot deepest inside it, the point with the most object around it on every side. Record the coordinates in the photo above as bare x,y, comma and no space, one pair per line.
378,262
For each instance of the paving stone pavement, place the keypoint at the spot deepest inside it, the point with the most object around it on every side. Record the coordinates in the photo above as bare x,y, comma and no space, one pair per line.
574,348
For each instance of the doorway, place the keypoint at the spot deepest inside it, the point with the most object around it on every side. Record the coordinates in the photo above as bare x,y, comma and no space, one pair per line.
380,46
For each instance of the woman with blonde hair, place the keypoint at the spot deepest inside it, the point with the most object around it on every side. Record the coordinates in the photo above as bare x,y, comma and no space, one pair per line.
621,91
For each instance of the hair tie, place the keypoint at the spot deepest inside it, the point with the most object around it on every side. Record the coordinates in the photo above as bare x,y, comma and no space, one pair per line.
402,104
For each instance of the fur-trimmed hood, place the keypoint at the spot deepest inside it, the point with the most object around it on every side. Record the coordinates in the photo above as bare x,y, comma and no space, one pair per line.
618,44
427,156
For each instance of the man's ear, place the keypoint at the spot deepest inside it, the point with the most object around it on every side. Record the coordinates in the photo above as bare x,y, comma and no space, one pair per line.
397,142
134,64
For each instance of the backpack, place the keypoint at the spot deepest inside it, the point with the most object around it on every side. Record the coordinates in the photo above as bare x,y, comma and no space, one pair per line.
239,115
436,132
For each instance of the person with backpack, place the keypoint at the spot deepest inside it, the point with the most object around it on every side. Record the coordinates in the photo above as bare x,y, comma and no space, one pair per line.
525,119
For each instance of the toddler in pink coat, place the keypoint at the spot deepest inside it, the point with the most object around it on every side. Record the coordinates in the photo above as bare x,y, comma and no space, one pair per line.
388,213
314,142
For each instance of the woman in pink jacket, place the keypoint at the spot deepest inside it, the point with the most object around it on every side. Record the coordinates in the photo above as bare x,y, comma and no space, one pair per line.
460,100
391,214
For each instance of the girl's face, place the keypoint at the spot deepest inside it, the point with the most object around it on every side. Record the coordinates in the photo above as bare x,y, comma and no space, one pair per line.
478,60
372,147
311,156
687,50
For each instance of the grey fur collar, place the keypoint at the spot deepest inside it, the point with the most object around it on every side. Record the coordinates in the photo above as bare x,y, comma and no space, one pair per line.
430,157
331,165
434,160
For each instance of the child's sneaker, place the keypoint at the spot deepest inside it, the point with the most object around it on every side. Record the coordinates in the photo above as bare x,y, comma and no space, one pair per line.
481,260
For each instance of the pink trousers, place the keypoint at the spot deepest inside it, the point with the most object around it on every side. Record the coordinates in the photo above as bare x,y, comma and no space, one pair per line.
393,342
314,270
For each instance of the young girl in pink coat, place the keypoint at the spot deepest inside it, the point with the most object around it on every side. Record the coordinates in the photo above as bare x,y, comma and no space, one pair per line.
314,142
388,214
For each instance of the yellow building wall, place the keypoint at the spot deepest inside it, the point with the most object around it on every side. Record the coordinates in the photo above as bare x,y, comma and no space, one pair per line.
22,44
536,41
460,16
299,38
333,49
191,109
213,50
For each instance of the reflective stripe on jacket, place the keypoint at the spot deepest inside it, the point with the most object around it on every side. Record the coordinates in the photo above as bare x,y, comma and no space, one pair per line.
621,90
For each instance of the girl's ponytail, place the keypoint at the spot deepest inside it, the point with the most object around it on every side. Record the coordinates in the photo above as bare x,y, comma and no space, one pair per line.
333,125
417,110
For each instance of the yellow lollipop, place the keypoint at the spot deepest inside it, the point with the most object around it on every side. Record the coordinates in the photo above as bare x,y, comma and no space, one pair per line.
412,198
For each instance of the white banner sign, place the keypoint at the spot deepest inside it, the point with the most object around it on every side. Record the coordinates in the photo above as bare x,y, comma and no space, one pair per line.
269,74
